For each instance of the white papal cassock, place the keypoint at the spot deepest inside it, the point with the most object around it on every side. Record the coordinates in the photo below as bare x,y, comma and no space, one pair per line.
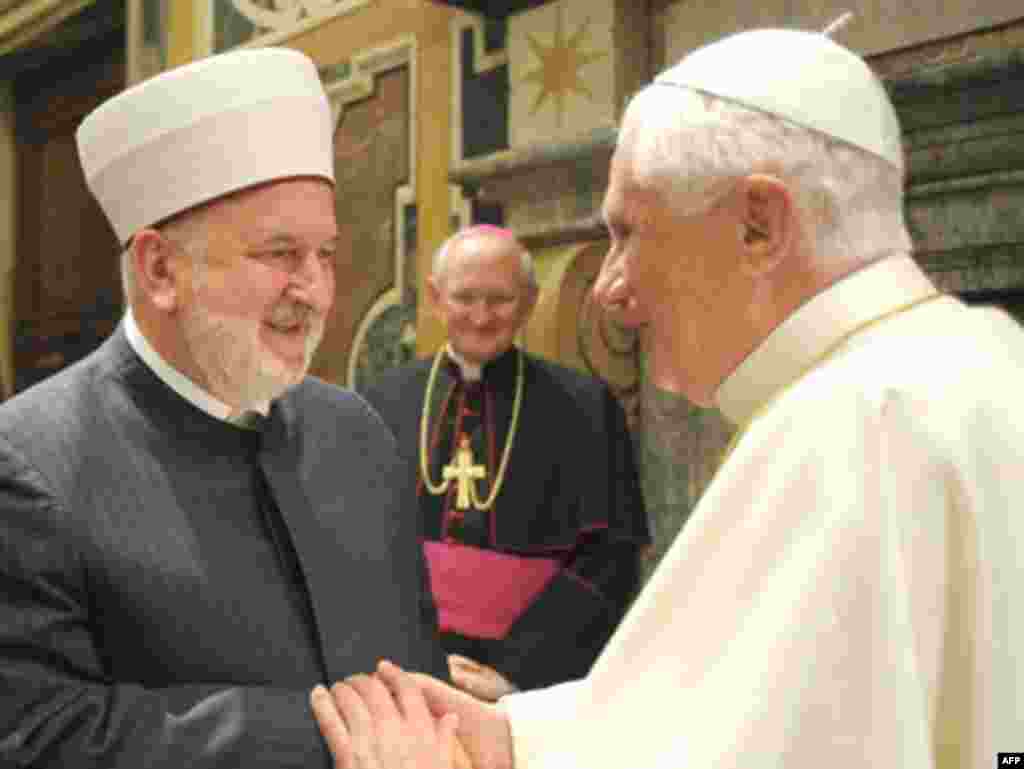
849,592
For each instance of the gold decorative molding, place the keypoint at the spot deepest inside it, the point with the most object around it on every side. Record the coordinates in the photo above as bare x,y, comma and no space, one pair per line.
359,85
365,66
524,159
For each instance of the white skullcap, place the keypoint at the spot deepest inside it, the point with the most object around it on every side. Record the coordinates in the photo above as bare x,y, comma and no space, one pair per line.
803,77
200,131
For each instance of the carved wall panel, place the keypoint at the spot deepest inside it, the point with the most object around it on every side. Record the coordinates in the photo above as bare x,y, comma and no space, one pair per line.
878,25
372,321
266,22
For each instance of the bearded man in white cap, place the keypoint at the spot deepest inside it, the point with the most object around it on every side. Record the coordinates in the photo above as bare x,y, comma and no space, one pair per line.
847,591
194,532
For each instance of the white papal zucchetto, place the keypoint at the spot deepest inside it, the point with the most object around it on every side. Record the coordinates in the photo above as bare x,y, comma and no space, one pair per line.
211,127
803,77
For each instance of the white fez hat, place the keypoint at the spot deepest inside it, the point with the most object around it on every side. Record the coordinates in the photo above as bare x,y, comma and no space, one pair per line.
803,77
200,131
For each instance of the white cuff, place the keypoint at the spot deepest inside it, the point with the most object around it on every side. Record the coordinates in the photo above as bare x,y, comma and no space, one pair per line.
539,721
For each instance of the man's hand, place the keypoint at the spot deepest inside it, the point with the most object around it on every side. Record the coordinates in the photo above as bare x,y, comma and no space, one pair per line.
383,722
483,729
479,680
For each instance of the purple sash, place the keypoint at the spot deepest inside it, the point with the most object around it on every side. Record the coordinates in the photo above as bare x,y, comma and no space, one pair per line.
480,593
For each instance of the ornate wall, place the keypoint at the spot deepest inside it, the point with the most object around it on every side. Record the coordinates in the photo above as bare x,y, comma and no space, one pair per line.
878,26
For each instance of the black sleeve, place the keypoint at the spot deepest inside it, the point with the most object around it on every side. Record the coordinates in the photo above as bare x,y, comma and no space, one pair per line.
438,663
561,634
58,708
431,657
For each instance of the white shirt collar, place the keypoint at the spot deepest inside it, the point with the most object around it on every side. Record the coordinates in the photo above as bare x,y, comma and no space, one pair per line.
809,332
471,372
177,381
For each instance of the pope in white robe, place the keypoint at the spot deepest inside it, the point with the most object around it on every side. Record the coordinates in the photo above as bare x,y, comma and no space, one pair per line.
848,592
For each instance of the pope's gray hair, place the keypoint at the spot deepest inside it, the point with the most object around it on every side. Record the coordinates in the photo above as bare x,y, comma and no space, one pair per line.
689,145
439,264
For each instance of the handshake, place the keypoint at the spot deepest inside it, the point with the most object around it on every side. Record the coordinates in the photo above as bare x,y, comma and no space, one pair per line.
392,719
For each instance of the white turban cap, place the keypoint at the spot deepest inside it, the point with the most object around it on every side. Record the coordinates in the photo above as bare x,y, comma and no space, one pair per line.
803,77
197,132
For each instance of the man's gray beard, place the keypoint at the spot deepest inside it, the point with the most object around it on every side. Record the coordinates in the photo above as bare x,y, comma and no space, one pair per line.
228,353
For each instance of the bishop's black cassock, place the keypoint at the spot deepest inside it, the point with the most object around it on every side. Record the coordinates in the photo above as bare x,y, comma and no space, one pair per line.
535,585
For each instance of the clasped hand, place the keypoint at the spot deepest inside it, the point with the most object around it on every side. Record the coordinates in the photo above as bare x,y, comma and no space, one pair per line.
382,722
398,720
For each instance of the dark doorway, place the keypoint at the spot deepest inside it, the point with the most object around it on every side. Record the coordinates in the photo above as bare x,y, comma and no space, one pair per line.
67,284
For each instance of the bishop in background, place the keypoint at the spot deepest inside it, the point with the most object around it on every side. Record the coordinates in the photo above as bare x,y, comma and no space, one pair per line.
526,481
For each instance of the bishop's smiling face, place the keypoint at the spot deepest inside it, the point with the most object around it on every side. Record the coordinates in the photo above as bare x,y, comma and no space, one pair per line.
483,295
253,310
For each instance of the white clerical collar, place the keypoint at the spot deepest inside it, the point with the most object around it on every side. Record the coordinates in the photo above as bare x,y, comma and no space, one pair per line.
177,381
471,372
808,333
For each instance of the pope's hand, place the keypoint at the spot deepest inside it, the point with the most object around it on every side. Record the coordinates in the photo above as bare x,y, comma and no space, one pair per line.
383,722
483,729
479,680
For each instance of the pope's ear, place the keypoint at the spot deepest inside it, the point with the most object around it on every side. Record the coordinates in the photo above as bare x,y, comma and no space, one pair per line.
155,269
768,222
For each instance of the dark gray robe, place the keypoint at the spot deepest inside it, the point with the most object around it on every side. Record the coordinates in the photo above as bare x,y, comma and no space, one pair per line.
172,586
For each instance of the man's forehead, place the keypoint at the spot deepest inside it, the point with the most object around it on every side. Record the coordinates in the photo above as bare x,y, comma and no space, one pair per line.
295,208
480,271
485,247
487,241
477,272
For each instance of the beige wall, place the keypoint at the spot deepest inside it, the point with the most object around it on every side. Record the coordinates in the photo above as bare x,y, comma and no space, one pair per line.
8,235
878,25
382,24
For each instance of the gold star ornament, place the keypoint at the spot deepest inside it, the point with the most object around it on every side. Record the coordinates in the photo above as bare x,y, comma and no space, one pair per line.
561,65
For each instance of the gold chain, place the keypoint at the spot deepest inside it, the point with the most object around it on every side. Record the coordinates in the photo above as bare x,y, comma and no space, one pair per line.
820,359
442,487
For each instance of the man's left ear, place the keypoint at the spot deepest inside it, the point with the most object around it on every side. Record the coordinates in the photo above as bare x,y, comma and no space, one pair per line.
768,222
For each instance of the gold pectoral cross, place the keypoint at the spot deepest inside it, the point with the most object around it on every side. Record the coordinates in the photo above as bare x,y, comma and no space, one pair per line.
464,472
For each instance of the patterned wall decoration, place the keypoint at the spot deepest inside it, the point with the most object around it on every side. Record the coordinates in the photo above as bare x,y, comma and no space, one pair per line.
480,70
386,336
581,333
373,98
878,25
562,70
146,38
480,106
266,22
